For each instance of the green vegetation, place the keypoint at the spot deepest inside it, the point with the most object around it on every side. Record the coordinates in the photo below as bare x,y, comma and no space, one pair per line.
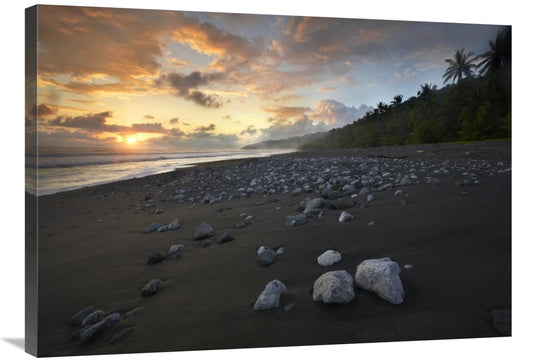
473,107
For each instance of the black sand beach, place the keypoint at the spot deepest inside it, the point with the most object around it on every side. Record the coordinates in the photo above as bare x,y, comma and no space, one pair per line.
451,226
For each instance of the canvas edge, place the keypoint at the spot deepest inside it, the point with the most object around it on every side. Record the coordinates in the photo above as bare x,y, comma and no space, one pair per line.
31,202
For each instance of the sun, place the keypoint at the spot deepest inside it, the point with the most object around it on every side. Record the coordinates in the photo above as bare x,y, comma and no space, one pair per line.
131,140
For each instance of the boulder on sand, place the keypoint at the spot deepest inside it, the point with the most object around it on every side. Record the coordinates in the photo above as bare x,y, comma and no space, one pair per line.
269,297
334,287
381,276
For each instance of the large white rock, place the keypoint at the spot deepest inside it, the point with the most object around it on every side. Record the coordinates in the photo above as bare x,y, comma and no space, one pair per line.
334,287
381,276
269,297
329,257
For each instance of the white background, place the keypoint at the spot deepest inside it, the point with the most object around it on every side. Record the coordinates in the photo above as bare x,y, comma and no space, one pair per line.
513,13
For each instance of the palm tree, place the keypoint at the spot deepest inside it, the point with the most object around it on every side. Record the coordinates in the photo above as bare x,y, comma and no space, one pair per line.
427,95
397,100
460,66
382,107
499,54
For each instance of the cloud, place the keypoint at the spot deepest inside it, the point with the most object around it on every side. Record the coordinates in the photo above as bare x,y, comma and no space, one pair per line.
148,116
174,120
338,114
148,128
205,129
187,85
41,111
299,127
251,130
176,139
92,122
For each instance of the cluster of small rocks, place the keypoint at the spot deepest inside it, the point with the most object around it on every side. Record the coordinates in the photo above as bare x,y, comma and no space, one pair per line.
329,177
94,322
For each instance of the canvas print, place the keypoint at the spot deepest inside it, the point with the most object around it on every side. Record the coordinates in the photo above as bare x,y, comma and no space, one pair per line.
201,180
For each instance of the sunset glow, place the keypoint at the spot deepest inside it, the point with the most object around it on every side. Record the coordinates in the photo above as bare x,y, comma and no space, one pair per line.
185,80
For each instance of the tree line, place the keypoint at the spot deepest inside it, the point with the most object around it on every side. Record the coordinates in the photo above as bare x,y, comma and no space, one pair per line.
474,104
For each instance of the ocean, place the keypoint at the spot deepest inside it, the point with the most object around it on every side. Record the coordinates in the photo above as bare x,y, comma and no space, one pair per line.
69,169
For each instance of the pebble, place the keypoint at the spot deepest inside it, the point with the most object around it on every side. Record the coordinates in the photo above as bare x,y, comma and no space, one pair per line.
121,334
329,257
153,227
345,217
88,333
154,258
78,318
92,318
225,238
295,220
152,287
203,231
132,313
267,257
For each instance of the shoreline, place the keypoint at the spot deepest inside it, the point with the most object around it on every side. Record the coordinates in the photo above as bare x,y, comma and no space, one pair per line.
454,232
381,151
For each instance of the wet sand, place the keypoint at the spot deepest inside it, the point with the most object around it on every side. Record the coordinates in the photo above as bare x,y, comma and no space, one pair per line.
457,238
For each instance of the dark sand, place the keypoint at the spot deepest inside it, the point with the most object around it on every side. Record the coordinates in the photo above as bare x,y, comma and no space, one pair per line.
457,238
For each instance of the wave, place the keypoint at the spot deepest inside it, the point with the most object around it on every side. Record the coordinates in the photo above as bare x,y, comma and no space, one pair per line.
68,160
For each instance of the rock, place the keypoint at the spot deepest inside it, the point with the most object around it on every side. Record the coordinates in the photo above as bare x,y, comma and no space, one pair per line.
260,250
92,318
385,187
329,257
398,193
153,227
334,195
88,333
248,219
334,287
203,231
295,220
78,318
269,297
267,257
152,287
406,180
154,258
370,198
175,224
175,249
206,243
121,334
132,313
345,217
344,203
381,276
159,211
225,238
316,203
371,223
297,191
364,191
280,251
240,225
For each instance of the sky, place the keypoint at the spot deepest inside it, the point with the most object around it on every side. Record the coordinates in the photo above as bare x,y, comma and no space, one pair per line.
149,79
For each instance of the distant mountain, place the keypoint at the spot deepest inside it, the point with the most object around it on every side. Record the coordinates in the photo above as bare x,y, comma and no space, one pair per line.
289,143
